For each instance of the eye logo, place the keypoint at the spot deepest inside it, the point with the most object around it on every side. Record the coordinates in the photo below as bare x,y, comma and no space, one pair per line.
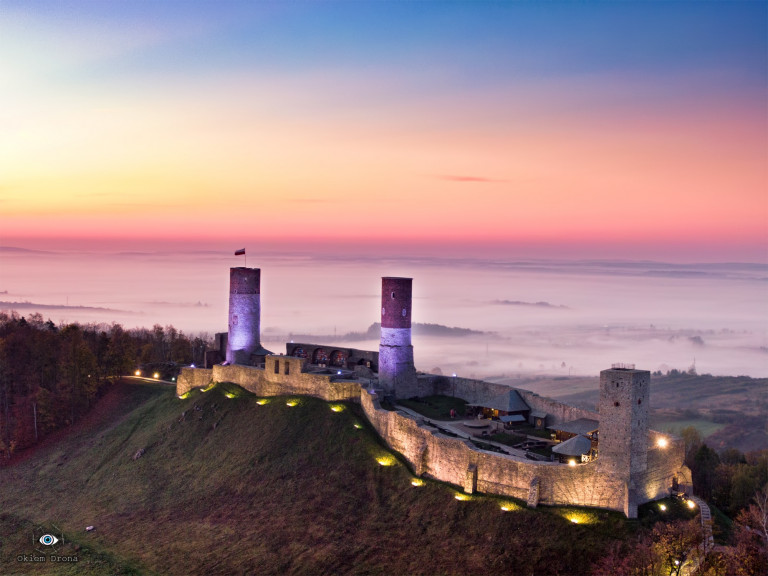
48,540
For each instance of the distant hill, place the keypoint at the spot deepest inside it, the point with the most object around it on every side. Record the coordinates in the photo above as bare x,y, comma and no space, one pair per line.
218,485
374,333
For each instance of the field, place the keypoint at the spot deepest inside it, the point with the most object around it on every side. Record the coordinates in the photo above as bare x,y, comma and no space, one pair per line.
223,482
730,411
706,427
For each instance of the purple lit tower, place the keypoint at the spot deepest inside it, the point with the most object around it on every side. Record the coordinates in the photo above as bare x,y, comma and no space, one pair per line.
397,374
244,315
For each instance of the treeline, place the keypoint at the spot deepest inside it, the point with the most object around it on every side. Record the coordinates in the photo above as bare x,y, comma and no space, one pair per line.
727,479
677,547
51,374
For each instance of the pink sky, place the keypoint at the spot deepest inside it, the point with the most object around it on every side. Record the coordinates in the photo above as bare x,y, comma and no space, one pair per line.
113,133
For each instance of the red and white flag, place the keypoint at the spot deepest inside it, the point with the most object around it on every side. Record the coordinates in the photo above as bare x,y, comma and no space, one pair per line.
240,252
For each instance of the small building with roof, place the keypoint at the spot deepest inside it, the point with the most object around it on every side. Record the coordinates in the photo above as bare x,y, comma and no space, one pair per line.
508,407
572,437
576,449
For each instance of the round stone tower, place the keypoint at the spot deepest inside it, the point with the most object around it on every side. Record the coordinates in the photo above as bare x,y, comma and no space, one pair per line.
397,374
244,314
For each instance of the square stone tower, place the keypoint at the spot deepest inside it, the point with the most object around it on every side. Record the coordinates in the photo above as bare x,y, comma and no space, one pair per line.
623,432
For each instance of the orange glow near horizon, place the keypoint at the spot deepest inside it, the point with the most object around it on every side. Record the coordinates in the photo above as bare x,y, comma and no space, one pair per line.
598,189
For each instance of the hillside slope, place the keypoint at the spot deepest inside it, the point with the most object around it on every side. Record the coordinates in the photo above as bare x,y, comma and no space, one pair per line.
229,486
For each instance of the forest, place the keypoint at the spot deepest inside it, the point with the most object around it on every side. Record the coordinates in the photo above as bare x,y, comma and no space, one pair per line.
50,375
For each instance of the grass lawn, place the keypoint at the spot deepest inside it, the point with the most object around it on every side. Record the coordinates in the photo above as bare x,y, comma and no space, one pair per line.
437,407
508,439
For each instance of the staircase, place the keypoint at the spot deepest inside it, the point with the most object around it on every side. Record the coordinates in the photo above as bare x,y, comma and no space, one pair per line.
706,523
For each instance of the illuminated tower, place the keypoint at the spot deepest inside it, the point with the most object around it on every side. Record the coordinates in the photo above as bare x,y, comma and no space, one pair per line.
623,432
244,314
397,374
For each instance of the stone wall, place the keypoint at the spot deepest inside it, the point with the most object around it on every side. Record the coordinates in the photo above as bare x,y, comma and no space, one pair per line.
475,391
450,459
456,460
353,356
664,464
190,378
267,382
557,412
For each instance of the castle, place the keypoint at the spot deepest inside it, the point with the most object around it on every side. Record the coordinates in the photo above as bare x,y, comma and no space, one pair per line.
609,459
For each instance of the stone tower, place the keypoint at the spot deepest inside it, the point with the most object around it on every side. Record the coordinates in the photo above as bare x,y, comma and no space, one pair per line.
244,314
623,432
397,374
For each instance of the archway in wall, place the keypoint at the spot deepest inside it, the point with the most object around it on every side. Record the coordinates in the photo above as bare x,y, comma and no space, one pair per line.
299,352
338,359
319,356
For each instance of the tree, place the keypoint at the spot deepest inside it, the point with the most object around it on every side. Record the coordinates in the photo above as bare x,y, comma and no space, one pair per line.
693,440
705,462
78,368
640,559
677,543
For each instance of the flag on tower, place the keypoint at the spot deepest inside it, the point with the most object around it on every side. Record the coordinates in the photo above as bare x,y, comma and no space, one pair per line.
240,252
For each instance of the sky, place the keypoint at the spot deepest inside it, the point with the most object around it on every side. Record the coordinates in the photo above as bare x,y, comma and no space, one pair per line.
635,130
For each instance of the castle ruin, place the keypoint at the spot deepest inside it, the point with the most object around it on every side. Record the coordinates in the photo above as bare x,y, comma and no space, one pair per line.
620,463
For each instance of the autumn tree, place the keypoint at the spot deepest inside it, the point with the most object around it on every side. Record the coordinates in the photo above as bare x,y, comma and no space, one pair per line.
677,543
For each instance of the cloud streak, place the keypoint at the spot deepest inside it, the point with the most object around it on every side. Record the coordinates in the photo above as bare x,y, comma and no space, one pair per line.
458,178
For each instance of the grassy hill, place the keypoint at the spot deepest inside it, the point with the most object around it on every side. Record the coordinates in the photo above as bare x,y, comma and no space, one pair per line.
226,485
